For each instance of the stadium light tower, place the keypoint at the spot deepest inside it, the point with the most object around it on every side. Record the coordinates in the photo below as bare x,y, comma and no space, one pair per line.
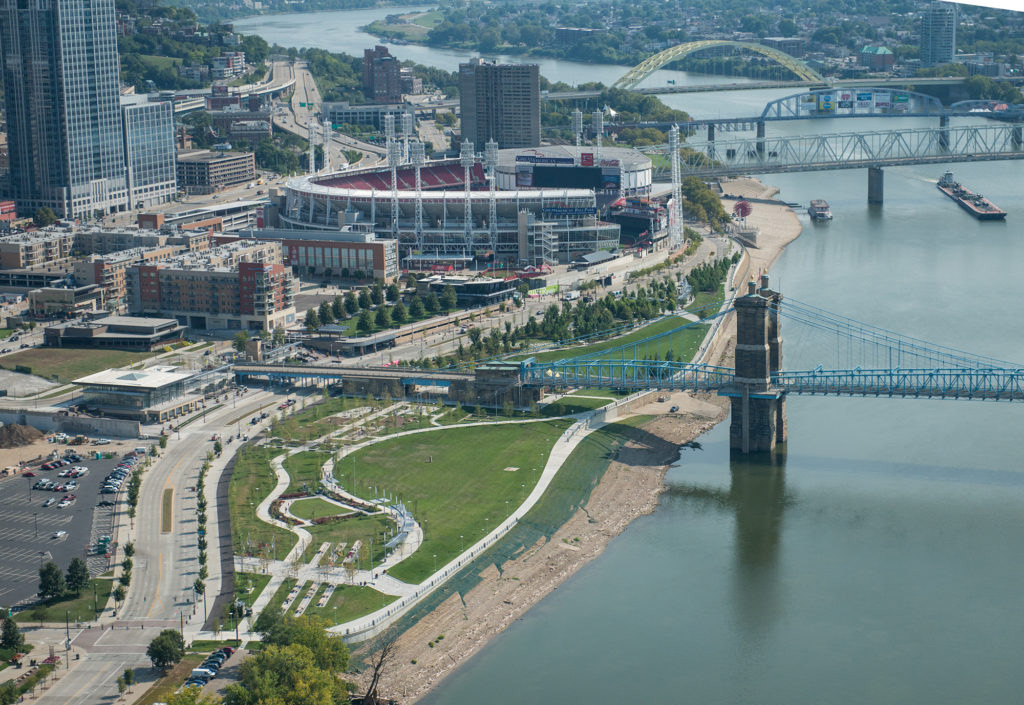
408,130
467,158
675,214
577,125
491,157
327,145
311,130
394,155
418,157
598,125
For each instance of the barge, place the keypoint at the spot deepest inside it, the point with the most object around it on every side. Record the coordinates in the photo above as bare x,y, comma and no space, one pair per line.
974,203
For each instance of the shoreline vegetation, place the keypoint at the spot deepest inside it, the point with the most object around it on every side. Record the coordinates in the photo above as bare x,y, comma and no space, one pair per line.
503,584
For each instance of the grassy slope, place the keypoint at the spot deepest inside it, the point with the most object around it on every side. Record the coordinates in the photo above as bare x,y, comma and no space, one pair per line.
454,482
68,364
252,470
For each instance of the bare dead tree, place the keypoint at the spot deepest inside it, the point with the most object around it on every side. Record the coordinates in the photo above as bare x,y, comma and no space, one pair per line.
380,664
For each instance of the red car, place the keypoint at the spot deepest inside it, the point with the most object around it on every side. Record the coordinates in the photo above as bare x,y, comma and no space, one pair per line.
30,474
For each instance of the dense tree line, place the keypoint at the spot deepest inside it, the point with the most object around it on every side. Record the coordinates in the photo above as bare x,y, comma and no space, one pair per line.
709,276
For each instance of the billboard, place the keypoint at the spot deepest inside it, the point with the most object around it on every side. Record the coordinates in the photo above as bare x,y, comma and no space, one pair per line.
611,180
563,212
560,177
825,103
531,159
883,100
587,159
610,162
524,176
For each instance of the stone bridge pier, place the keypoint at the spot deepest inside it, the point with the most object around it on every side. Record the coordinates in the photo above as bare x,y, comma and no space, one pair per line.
758,419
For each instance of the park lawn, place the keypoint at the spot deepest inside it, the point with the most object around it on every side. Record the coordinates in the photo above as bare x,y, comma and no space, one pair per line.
251,471
427,19
572,405
662,326
311,423
454,482
707,298
6,333
304,469
351,601
78,609
609,393
274,606
309,509
68,364
255,582
166,685
361,528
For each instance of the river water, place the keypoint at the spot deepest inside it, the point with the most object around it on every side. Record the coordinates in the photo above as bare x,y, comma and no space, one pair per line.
880,561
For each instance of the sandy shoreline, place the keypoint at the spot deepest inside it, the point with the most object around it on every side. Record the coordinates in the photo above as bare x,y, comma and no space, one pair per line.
629,489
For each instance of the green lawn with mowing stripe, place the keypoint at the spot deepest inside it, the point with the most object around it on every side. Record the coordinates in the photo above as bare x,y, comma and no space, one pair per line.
351,601
656,328
304,469
315,507
68,364
454,482
252,479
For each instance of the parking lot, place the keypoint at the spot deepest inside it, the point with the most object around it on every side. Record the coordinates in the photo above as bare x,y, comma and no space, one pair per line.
29,530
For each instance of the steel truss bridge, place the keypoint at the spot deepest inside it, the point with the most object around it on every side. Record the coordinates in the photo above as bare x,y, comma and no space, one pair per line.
832,104
880,363
772,155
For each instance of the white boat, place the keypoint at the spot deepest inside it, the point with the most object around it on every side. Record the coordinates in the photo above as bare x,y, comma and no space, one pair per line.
819,210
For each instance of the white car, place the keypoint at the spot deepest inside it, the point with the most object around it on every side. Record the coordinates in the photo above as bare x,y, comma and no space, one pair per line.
60,534
64,504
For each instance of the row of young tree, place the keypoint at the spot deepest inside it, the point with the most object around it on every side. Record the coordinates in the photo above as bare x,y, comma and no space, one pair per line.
373,314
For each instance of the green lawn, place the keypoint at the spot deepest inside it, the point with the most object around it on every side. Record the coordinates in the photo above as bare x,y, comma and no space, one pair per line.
304,469
351,601
274,606
315,507
705,298
310,423
251,471
6,333
78,609
248,586
454,482
656,328
609,393
427,19
160,62
362,528
572,405
68,364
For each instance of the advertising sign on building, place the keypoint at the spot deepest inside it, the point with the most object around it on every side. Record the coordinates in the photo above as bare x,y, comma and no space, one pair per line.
883,100
610,162
611,180
524,176
562,212
587,159
825,103
865,99
530,159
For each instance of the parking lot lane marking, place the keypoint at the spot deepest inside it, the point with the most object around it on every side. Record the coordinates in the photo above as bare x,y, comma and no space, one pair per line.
159,579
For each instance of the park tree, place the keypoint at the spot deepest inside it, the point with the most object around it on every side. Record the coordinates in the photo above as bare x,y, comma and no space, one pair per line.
285,674
238,342
384,658
129,677
416,308
394,294
338,307
431,303
9,692
326,313
77,577
51,581
365,323
217,448
377,292
119,593
351,303
399,313
166,649
11,636
448,297
312,319
279,336
364,299
383,319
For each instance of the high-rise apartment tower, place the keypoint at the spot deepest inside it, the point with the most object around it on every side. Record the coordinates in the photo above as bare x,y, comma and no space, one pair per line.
60,74
500,102
938,34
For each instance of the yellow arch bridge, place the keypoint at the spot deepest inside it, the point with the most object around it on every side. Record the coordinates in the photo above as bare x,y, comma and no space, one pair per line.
635,75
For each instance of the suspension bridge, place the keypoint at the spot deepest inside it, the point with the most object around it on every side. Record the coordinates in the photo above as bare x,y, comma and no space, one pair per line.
855,360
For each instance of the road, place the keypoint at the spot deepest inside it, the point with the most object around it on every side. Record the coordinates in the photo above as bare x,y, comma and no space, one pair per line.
165,564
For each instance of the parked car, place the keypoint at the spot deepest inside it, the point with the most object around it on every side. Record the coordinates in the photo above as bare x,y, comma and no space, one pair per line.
50,502
60,534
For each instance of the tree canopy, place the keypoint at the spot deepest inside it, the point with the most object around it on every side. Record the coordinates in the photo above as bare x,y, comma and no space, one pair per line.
166,649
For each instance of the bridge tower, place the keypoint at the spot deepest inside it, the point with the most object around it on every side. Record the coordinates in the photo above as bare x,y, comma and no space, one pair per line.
758,420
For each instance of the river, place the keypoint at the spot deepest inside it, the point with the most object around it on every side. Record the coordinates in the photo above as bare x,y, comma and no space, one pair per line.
880,562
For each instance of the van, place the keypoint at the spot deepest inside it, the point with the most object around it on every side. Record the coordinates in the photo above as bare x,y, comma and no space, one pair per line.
141,451
203,673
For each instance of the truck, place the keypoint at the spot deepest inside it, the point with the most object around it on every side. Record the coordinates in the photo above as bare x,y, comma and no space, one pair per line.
572,295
